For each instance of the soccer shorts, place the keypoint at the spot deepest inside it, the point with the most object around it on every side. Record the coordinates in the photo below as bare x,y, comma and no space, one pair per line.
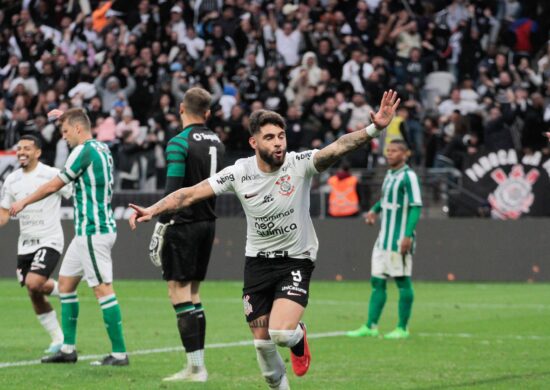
186,250
90,258
268,279
389,263
41,262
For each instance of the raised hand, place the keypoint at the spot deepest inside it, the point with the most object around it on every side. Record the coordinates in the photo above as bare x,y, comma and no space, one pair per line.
385,113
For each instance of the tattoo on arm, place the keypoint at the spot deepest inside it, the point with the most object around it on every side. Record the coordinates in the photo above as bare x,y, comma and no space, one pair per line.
259,323
339,148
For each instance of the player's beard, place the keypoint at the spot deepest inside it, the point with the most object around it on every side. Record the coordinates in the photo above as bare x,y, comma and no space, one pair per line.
270,158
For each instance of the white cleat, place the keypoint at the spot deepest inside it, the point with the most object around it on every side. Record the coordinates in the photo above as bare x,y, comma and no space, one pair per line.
189,374
282,385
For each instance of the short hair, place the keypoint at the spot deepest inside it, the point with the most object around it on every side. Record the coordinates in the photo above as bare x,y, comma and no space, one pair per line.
260,118
33,138
197,101
401,143
76,116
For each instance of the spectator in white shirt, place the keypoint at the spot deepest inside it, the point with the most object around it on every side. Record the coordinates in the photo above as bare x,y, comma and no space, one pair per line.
356,70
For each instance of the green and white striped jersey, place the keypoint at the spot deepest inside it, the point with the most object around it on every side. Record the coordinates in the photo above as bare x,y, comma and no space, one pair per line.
400,191
90,167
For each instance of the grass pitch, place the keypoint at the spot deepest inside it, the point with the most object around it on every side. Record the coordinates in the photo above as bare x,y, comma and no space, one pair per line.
482,336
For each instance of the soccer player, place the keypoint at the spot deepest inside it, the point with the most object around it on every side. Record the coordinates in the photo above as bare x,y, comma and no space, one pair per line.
40,234
400,206
90,168
182,241
274,188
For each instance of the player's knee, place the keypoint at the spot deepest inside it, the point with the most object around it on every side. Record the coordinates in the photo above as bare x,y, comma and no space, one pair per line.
34,287
285,338
378,283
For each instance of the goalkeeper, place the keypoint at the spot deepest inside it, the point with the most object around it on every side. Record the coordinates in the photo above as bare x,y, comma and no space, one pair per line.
182,242
400,206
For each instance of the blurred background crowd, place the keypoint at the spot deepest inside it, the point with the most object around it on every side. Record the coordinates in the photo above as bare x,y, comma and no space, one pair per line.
472,75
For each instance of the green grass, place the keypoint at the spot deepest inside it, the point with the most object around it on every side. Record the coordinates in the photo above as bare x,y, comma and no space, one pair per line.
482,336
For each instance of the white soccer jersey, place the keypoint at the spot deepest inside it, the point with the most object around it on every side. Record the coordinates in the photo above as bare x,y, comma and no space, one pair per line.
276,205
40,222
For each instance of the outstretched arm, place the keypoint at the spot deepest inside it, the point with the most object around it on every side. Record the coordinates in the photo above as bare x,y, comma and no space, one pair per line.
179,199
352,141
43,191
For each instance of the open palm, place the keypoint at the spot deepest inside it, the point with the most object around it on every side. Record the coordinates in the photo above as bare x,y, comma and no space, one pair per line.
385,113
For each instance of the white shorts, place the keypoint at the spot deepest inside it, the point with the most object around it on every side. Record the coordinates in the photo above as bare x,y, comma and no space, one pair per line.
389,263
90,257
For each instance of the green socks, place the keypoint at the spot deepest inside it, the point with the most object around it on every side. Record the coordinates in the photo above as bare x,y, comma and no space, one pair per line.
113,322
69,317
406,298
377,300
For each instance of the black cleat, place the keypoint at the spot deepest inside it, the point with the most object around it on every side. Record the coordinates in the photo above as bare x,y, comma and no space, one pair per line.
60,357
110,360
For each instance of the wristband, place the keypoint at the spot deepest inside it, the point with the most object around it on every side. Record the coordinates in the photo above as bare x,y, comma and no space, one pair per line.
372,131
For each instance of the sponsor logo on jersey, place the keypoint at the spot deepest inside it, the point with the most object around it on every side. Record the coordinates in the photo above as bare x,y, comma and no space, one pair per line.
274,216
248,196
268,198
247,305
255,176
304,156
31,242
269,229
272,254
285,186
206,136
225,178
295,290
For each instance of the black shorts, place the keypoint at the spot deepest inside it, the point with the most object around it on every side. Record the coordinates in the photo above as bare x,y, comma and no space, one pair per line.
41,262
186,250
268,279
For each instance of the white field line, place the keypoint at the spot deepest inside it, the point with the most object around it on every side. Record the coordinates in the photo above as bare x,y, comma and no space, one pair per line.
311,336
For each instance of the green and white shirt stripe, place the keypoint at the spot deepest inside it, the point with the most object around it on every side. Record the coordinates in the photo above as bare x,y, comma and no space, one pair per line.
400,191
90,167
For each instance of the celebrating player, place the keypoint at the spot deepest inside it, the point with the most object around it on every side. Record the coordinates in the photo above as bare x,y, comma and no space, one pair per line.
90,167
274,189
400,206
182,241
40,237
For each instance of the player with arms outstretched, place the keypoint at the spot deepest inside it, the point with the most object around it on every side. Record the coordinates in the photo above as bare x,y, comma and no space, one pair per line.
40,234
274,188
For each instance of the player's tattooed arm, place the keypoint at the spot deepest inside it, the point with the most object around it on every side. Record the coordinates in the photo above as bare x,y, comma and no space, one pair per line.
327,156
352,141
179,199
182,198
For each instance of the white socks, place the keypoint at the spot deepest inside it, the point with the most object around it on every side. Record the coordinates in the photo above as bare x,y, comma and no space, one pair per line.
270,362
50,323
55,291
195,358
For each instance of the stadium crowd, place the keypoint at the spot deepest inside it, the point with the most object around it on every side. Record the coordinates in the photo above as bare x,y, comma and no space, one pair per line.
471,74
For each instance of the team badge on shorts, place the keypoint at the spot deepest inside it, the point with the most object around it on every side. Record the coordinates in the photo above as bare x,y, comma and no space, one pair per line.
285,186
247,305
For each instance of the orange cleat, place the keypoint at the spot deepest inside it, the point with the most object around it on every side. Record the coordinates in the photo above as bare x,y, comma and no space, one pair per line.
300,364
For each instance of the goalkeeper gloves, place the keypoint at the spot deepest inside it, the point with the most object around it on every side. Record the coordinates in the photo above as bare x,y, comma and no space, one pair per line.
157,241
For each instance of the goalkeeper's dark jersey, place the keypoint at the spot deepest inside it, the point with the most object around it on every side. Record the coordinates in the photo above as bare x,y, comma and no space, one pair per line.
192,156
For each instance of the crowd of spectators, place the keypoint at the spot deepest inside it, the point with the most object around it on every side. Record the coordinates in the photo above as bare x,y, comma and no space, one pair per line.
471,74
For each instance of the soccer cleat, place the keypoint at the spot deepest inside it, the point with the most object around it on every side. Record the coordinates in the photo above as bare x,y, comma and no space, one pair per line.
300,364
189,374
363,331
53,348
397,333
60,357
110,360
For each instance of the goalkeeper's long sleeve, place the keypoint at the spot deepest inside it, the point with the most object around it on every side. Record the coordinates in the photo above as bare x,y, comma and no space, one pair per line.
377,207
